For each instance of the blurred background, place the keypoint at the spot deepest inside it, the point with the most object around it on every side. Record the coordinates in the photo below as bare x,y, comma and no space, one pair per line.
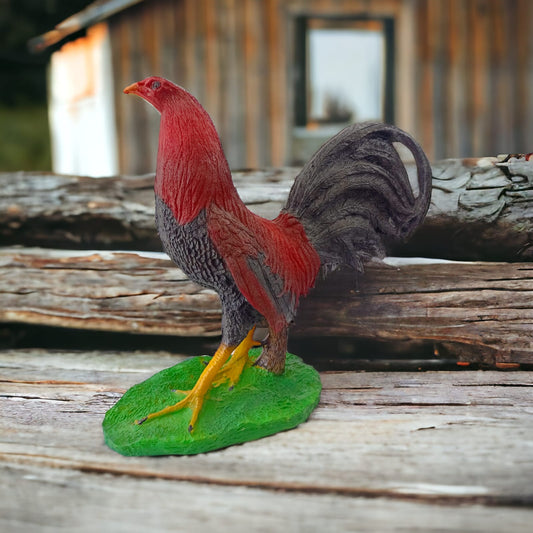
24,132
278,76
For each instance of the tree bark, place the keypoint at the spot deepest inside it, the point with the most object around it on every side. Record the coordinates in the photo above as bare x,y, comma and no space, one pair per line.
115,213
485,309
480,210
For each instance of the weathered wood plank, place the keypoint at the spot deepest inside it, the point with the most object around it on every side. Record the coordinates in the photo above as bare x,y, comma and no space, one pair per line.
479,211
484,306
88,291
394,448
68,499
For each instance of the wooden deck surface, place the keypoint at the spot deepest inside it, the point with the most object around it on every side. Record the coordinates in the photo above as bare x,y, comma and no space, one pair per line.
398,451
406,451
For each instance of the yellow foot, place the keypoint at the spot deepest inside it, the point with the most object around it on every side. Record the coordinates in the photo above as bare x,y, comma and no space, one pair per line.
233,368
213,374
195,397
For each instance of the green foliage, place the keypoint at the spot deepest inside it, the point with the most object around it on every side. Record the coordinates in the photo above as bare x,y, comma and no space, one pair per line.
25,140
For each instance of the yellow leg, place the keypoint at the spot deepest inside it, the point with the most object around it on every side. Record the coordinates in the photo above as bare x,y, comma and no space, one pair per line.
233,368
195,397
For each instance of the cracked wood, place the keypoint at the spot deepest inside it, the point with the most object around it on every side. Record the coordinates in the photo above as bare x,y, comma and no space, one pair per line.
482,209
481,311
439,445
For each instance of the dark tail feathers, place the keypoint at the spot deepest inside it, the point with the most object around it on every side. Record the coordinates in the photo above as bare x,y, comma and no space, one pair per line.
354,197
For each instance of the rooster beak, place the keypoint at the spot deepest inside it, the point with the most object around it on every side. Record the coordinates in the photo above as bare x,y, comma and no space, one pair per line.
133,88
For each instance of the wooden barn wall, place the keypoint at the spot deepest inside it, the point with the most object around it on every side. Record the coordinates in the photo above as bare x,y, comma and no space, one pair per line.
474,77
463,72
226,52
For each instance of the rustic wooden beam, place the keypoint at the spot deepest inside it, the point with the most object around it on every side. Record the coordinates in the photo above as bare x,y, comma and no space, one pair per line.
480,210
382,448
485,308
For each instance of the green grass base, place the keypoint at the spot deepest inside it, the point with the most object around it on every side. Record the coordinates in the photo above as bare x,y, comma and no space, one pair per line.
260,404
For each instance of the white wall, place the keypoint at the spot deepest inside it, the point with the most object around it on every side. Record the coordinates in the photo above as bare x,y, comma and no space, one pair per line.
81,106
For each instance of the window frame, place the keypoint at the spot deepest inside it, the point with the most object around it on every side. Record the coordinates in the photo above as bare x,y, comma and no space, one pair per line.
301,58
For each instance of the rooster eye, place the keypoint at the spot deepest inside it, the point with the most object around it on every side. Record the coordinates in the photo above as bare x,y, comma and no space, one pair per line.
155,85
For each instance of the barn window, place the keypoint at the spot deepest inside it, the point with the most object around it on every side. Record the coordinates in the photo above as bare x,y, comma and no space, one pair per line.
343,74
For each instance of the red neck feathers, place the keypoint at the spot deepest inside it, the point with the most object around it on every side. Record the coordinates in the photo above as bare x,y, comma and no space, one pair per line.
192,171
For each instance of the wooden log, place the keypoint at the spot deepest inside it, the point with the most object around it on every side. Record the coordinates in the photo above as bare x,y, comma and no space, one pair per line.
75,212
484,307
481,210
382,450
105,291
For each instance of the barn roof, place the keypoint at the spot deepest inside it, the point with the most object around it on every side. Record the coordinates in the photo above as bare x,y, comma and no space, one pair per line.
93,13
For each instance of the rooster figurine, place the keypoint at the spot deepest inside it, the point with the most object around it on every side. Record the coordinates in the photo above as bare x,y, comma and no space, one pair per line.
350,201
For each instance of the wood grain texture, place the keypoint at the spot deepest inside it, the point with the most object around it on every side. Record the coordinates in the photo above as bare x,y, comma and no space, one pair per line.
432,451
43,209
484,307
455,63
89,291
479,210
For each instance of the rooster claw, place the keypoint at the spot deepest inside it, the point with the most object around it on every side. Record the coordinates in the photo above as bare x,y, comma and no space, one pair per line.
218,370
234,367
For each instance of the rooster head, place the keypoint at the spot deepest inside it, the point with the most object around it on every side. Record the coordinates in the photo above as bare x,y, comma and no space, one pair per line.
155,90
